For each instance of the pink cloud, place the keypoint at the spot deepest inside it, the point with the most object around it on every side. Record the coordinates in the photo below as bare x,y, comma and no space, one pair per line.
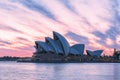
35,26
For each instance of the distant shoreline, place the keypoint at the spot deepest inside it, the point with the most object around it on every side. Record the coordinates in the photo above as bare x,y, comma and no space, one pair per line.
69,61
29,60
55,61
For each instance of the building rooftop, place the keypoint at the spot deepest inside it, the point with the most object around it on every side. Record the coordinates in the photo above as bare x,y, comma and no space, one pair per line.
59,45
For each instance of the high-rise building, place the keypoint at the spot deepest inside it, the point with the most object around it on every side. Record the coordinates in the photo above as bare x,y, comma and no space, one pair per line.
116,54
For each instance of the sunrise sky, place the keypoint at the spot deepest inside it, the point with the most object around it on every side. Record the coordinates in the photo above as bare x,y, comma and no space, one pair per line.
95,23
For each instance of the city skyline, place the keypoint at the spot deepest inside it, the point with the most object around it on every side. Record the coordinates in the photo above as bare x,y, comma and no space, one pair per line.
94,23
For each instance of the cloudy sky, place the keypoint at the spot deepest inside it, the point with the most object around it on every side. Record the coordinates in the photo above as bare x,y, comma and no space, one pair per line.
95,23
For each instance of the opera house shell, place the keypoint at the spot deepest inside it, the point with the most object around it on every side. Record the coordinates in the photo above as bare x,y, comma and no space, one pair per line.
94,53
54,48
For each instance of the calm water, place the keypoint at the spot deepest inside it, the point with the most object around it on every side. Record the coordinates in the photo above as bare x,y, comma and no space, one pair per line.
62,71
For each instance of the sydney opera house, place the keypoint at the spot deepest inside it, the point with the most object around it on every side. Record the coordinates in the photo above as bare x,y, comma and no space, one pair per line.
58,49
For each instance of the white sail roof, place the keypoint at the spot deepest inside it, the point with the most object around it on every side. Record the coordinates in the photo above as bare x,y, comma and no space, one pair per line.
94,53
41,45
73,51
52,44
61,41
79,48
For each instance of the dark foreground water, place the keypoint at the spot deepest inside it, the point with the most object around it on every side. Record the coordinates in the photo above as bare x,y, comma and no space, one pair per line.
62,71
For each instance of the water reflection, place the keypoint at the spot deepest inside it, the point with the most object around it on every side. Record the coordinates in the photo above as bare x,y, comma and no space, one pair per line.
116,72
65,71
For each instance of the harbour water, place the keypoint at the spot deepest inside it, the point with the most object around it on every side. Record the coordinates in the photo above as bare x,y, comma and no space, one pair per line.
59,71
